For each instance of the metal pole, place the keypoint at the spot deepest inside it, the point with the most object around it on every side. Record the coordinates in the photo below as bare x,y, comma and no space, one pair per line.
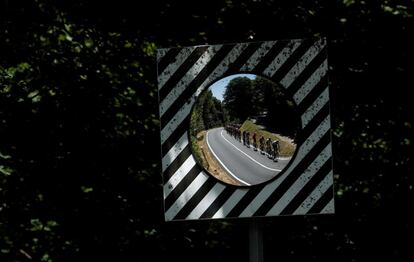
255,241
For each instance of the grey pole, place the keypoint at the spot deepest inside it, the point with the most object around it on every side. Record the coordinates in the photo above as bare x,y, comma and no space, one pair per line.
255,241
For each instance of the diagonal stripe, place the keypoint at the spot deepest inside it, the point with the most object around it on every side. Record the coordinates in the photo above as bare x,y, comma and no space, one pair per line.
329,208
213,70
175,136
178,161
168,55
313,80
230,203
176,121
303,150
267,59
181,71
312,95
243,58
293,176
300,183
281,58
174,151
319,103
315,195
189,76
206,201
257,56
179,175
302,63
322,201
180,186
185,94
194,89
173,66
185,196
218,202
245,201
308,186
307,72
322,114
291,60
196,198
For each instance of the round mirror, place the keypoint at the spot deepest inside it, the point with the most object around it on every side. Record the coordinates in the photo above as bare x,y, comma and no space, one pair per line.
243,129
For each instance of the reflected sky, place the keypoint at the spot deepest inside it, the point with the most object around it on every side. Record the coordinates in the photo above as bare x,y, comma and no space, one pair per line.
219,87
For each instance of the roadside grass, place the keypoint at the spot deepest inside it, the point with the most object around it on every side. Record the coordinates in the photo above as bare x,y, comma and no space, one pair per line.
287,149
197,152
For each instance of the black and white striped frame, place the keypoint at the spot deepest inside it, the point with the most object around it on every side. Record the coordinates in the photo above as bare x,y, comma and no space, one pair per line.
304,187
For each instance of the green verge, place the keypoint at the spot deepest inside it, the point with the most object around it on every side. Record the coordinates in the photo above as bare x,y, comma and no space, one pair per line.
286,149
197,152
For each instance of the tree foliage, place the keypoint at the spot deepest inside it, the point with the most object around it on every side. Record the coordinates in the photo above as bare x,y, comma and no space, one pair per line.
207,113
79,135
263,100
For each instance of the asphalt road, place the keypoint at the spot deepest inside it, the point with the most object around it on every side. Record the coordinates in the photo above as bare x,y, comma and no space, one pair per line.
242,163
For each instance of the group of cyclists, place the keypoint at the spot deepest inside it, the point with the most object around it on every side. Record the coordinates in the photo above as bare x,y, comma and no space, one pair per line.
266,146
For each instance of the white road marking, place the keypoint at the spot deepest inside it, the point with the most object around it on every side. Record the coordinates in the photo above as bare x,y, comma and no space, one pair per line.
251,158
224,166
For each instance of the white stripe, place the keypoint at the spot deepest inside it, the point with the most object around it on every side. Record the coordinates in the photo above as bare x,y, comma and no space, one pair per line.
222,164
315,107
302,63
251,158
188,77
311,82
186,196
171,68
316,194
281,58
264,194
257,56
329,208
161,53
176,178
303,150
230,203
174,151
176,120
206,201
185,110
301,181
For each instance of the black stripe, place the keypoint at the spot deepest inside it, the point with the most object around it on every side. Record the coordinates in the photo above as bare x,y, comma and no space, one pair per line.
245,201
269,57
178,161
181,71
313,124
313,94
218,202
192,87
307,72
167,59
308,188
292,60
293,176
175,135
234,67
196,198
179,189
322,202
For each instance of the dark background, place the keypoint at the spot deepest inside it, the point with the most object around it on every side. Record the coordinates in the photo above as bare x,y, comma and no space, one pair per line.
80,172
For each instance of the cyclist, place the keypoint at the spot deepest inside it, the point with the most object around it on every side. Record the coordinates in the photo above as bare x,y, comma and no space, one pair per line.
276,147
269,147
254,141
262,144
